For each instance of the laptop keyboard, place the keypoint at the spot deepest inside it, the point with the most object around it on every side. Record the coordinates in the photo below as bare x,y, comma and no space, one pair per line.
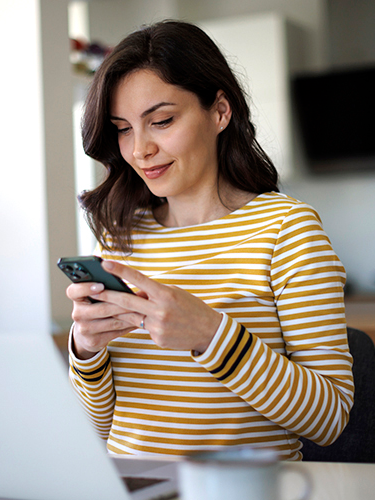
138,483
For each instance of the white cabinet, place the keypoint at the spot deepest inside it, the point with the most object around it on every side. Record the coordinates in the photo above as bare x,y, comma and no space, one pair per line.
263,49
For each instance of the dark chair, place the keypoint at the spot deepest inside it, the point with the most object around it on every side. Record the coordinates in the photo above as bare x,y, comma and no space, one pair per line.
357,442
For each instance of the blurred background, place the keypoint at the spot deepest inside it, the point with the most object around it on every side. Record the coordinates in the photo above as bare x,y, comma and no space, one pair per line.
307,65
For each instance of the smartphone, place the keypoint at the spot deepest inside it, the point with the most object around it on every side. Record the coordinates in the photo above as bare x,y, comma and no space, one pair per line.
87,269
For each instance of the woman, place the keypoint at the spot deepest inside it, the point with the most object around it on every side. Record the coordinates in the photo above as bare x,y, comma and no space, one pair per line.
236,334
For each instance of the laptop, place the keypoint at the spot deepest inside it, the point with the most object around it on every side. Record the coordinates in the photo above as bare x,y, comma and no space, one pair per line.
48,448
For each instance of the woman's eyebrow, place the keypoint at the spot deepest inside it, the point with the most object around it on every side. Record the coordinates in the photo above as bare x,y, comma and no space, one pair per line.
155,107
147,112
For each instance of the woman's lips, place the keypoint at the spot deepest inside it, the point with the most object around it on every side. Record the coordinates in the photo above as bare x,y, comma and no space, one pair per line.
155,172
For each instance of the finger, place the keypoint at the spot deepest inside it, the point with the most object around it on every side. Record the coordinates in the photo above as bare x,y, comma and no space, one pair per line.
134,319
99,310
142,282
80,291
101,326
128,302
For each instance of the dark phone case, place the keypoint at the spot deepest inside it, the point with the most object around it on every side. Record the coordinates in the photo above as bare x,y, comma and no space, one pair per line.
87,269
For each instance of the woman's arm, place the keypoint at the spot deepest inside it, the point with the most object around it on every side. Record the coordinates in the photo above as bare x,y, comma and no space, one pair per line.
311,399
309,390
93,384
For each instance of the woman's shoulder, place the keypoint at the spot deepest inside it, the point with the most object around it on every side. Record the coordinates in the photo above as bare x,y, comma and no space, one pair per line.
280,199
280,203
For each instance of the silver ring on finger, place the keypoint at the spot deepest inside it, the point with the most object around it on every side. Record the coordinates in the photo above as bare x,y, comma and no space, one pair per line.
142,325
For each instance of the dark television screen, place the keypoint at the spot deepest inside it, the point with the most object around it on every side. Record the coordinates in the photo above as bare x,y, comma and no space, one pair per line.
336,113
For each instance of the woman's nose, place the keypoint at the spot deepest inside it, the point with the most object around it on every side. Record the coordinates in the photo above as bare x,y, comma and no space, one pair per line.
144,147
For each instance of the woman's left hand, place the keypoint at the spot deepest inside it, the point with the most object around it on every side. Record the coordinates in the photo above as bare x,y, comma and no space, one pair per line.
176,319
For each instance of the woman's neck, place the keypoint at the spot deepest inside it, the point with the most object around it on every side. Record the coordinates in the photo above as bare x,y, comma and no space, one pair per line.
187,212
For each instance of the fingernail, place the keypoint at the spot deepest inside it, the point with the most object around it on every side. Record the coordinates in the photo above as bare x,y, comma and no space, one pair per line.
108,264
97,287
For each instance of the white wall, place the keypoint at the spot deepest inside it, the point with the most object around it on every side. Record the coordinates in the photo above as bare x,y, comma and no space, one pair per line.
309,14
58,119
264,71
24,292
111,20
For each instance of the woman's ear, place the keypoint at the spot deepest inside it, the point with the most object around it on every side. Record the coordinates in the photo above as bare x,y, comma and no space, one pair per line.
223,110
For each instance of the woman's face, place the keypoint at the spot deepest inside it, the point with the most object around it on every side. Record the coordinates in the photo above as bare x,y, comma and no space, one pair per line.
166,135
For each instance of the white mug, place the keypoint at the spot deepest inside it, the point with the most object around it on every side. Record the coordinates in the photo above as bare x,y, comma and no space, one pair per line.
235,474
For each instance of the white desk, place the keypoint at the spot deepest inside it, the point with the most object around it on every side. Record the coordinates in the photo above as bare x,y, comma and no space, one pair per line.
334,481
330,481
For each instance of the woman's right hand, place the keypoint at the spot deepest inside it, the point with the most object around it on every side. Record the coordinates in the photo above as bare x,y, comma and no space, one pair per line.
96,324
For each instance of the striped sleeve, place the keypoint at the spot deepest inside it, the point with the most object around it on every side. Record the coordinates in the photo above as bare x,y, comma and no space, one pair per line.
93,384
309,389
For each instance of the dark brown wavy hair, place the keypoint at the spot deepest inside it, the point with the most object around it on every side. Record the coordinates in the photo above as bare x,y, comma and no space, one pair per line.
180,54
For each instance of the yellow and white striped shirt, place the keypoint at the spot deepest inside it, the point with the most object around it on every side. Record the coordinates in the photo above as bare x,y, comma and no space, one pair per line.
279,365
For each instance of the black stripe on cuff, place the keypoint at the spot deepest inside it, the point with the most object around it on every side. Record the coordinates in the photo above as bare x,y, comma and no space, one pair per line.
95,379
231,352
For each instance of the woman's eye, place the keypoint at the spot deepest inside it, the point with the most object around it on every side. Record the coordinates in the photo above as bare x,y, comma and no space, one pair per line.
164,123
124,131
